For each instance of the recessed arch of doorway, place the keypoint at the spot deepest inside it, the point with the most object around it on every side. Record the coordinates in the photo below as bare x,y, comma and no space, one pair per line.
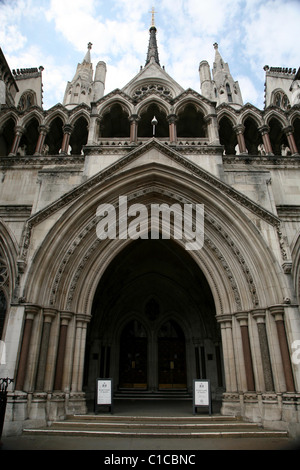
153,308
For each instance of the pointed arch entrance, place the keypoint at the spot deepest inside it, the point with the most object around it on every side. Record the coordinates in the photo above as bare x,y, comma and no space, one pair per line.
153,323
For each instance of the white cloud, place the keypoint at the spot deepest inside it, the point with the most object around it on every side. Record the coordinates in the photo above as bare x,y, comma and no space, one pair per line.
250,93
250,33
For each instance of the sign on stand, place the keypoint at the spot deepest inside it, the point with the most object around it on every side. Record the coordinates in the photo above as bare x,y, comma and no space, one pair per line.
104,394
201,395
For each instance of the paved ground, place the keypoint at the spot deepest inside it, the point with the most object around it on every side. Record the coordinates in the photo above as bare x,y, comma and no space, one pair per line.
145,408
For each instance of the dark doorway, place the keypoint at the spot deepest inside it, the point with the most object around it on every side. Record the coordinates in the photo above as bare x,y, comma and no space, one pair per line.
133,356
171,357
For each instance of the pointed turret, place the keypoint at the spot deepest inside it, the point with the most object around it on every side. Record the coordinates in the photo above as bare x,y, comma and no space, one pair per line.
226,90
79,89
152,54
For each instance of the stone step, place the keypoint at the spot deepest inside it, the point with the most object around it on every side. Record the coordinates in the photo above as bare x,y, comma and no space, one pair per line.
132,426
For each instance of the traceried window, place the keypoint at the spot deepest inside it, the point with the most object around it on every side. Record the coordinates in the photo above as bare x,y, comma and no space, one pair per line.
27,99
281,100
152,87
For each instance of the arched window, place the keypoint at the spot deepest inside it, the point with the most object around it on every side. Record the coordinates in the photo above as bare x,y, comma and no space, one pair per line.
145,128
115,123
7,137
281,100
79,136
27,99
228,90
252,136
191,123
227,136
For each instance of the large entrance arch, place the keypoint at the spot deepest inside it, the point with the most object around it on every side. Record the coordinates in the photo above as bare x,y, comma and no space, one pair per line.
153,323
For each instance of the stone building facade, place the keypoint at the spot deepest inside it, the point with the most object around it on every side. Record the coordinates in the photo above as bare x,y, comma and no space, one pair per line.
144,310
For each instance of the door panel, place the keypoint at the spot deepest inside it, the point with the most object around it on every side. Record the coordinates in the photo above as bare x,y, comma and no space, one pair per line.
171,360
133,357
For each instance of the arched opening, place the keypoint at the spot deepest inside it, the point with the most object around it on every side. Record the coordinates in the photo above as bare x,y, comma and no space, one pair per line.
296,125
115,123
252,136
145,127
153,324
55,136
29,138
79,136
277,137
7,137
191,123
227,136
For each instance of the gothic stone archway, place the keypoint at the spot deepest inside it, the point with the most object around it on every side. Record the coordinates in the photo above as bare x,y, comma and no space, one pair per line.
153,323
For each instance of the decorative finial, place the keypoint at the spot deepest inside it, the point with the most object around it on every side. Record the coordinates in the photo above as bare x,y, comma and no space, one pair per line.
153,17
216,45
90,45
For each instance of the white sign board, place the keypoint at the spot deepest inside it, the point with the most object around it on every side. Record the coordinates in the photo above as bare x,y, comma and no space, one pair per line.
202,394
104,392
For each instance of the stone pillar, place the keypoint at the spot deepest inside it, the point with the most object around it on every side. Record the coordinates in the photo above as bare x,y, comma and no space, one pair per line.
49,314
239,130
30,312
264,130
172,118
79,351
93,127
19,131
43,130
134,128
291,141
228,353
212,129
66,138
259,316
64,321
278,312
243,321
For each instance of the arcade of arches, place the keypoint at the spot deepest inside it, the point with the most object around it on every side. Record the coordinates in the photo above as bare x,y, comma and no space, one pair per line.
153,322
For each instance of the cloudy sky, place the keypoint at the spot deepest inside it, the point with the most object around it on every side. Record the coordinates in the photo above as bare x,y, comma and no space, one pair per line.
55,34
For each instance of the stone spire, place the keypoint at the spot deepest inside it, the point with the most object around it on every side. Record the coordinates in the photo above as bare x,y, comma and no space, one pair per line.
226,89
152,54
79,90
87,58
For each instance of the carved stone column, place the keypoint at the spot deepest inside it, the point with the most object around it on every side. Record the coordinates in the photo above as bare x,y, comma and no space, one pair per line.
19,131
64,322
228,353
264,130
30,312
79,351
239,130
134,119
259,316
66,138
278,312
43,130
172,118
290,137
243,321
93,127
49,314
